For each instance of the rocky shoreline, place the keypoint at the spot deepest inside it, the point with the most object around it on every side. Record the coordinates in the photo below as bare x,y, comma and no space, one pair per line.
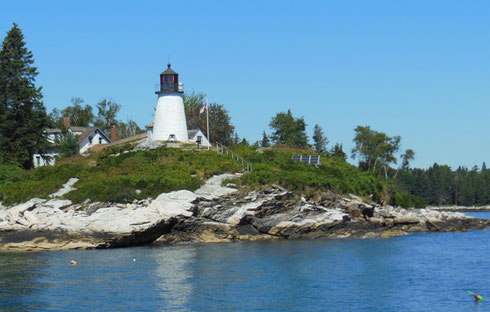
462,208
213,213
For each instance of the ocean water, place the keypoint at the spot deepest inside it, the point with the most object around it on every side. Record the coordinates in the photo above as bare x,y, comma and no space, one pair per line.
422,272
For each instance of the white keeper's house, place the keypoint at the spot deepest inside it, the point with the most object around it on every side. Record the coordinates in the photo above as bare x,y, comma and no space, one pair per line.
87,138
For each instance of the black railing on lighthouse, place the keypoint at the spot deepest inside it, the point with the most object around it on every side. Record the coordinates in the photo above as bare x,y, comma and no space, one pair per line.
246,165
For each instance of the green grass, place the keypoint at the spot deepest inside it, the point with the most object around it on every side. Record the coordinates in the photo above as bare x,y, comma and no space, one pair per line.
20,185
105,177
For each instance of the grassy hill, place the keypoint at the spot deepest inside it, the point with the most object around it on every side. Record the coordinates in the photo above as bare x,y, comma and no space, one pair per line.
118,176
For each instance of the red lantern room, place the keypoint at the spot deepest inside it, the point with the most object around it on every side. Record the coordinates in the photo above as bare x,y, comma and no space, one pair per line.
169,81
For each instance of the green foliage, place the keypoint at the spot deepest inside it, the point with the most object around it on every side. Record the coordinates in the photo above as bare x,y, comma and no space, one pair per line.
18,185
116,178
375,150
276,166
220,127
67,143
265,142
127,129
79,116
337,151
106,116
22,114
439,185
288,130
408,201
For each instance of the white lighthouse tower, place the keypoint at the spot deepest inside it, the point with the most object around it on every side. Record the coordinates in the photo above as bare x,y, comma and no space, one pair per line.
170,123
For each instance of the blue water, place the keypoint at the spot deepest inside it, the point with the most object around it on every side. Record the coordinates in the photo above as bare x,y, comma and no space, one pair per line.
422,272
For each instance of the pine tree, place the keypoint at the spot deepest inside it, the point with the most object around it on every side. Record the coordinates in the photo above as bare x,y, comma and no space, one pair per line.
265,141
22,113
483,167
337,151
236,139
320,141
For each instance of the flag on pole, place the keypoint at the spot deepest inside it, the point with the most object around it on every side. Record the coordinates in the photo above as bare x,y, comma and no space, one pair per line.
204,108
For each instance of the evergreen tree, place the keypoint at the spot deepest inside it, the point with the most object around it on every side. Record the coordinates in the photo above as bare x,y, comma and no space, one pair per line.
236,139
23,116
337,151
67,143
265,140
483,167
320,141
289,130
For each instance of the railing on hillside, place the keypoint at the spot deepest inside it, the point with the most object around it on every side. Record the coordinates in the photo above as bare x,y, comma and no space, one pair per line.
221,149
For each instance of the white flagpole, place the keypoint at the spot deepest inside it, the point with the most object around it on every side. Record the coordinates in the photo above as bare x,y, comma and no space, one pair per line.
207,121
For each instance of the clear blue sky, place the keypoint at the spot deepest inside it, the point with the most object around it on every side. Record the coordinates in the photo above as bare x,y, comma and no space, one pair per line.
418,69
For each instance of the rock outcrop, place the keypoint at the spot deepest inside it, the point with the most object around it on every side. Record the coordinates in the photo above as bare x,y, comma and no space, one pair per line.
212,213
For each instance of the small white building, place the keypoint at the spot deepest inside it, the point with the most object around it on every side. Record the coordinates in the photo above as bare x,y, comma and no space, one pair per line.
196,136
87,137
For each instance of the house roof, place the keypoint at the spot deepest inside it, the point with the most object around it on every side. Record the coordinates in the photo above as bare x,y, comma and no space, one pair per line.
73,129
99,147
88,131
79,129
150,125
192,133
169,71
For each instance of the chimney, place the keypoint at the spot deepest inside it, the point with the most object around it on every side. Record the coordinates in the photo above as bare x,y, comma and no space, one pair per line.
66,122
113,133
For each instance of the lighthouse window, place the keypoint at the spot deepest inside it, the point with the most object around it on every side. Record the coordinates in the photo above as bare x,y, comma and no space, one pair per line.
170,79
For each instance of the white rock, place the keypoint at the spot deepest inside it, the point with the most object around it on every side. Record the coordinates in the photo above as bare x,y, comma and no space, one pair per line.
169,209
16,210
31,217
66,188
58,203
242,211
212,187
182,195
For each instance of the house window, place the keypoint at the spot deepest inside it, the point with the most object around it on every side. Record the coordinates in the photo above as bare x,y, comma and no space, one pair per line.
90,140
199,139
38,161
100,140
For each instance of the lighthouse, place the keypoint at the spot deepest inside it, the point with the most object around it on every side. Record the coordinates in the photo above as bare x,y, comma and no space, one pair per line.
170,123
